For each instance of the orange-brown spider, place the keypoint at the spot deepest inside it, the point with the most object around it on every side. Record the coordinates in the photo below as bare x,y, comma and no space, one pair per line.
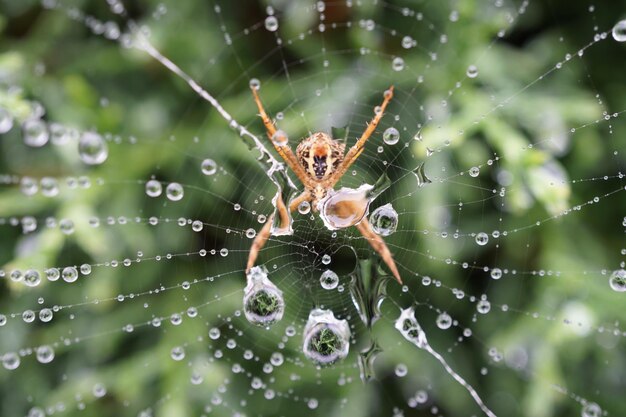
319,163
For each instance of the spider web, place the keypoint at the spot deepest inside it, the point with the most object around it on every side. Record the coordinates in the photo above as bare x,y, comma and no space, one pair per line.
506,178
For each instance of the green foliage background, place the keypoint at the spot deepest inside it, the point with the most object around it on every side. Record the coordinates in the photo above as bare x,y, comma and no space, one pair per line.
60,64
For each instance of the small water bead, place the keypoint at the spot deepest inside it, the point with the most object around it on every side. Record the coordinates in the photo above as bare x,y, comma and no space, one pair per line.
591,410
391,136
618,280
304,207
483,306
99,391
312,403
35,133
69,274
6,121
329,280
326,339
444,321
482,238
496,273
214,333
384,220
66,226
92,148
28,186
271,23
619,31
178,353
85,269
153,188
52,274
197,226
472,71
49,186
174,191
277,359
250,233
32,278
28,316
255,83
401,370
45,354
397,64
407,42
209,167
326,259
280,138
474,172
10,361
16,275
224,252
45,315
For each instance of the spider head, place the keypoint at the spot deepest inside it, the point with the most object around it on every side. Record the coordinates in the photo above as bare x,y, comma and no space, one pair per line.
320,155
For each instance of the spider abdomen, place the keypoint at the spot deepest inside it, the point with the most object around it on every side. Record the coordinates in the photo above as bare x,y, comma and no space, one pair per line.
320,155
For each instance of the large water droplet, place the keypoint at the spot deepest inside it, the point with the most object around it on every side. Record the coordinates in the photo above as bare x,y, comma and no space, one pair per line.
391,136
619,31
397,64
384,220
482,238
10,360
618,280
344,207
35,133
69,274
329,280
271,23
45,354
154,188
92,148
178,353
472,71
326,339
263,302
174,191
444,321
208,166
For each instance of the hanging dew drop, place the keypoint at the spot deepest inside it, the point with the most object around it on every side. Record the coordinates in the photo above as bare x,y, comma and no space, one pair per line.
474,172
483,306
208,166
178,353
10,361
397,64
384,220
444,321
401,370
326,259
482,238
35,133
619,31
153,188
496,273
197,226
92,148
618,280
326,339
32,278
66,226
472,71
329,280
279,138
45,354
263,302
69,274
174,191
391,136
255,84
271,23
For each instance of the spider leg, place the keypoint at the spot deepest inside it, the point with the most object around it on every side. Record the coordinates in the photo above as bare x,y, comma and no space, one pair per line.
264,234
284,151
379,246
358,147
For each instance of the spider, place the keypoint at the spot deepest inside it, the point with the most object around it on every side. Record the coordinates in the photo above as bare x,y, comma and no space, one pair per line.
319,163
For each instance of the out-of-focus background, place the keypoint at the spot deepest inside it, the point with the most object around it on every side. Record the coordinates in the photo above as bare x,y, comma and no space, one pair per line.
114,302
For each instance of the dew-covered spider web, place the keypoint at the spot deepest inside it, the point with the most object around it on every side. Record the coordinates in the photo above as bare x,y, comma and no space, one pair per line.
135,174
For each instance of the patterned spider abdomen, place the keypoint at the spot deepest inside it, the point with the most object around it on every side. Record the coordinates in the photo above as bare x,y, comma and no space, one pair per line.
320,155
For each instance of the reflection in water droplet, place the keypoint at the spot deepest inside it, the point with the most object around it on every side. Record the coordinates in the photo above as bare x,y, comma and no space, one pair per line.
271,23
474,172
397,64
391,136
618,280
178,353
35,133
483,306
366,361
10,360
263,302
326,339
472,71
32,278
344,207
384,220
619,31
92,148
153,188
209,167
591,410
401,370
69,274
255,83
420,175
304,207
174,191
45,354
496,273
482,238
444,321
329,280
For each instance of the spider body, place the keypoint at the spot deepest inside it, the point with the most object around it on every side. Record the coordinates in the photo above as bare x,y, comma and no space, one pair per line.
319,155
319,163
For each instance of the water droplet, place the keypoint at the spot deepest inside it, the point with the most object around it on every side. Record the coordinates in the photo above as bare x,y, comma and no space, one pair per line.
92,148
255,83
329,280
10,360
214,333
99,390
174,191
52,274
45,354
496,273
344,207
482,238
153,188
472,71
250,233
391,136
69,274
444,321
35,133
263,302
591,410
304,207
619,31
420,175
209,167
384,220
66,226
474,172
178,353
3,320
618,280
483,306
271,23
326,339
397,64
279,138
401,370
85,269
45,315
28,186
197,226
326,259
6,121
32,278
407,42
